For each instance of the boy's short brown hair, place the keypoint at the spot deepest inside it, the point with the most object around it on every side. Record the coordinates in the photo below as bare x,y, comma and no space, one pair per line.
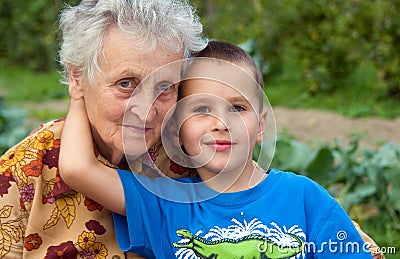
231,53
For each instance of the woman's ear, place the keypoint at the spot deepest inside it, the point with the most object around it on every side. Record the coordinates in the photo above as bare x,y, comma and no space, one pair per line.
172,143
261,126
75,86
174,133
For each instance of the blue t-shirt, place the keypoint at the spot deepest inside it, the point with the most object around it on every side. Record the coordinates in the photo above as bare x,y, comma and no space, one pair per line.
284,216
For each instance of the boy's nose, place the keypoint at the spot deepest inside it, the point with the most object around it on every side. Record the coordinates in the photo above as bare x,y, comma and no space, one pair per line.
219,124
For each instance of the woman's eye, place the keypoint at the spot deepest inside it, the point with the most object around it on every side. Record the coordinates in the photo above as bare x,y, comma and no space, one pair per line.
202,109
237,108
125,84
129,83
165,87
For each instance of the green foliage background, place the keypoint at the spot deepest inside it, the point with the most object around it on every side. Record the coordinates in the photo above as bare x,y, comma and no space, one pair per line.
328,40
342,52
29,33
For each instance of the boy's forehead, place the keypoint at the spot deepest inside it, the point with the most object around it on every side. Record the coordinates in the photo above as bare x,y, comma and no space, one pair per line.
224,74
219,70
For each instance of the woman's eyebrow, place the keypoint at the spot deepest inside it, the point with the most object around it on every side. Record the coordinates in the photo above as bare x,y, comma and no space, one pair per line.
115,75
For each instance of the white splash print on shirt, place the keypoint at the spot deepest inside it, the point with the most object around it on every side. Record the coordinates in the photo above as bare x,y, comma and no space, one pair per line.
277,235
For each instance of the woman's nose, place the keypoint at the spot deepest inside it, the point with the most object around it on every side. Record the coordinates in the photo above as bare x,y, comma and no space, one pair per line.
142,104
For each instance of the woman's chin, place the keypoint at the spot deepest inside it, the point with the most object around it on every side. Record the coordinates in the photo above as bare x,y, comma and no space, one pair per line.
134,151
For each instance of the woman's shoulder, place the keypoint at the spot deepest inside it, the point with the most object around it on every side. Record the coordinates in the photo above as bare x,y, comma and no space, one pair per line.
55,126
40,145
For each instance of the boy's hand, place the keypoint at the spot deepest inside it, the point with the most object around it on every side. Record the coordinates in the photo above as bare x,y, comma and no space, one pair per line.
77,105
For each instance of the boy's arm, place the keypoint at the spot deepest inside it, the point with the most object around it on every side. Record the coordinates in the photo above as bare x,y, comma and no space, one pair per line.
79,167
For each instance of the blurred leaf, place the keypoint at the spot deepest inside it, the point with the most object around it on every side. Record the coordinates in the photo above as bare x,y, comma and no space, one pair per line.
11,126
290,155
388,156
360,192
394,197
320,166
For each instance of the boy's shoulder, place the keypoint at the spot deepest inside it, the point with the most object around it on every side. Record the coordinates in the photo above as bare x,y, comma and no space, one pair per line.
291,177
299,182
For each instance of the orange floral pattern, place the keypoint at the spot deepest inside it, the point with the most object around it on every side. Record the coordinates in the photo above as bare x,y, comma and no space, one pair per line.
31,188
92,205
32,241
34,168
44,140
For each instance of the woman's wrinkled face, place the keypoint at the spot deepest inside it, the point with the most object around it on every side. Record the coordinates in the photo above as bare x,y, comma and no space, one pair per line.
117,103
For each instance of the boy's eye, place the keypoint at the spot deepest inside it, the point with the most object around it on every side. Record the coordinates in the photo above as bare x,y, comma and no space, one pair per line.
202,109
237,108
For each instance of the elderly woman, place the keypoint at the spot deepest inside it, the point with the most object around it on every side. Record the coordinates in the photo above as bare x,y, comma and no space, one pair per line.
108,47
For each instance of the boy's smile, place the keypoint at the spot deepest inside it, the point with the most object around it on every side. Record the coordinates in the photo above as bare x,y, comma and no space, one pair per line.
220,145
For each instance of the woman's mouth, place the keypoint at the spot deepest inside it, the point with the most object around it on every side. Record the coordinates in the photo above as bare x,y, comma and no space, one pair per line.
137,130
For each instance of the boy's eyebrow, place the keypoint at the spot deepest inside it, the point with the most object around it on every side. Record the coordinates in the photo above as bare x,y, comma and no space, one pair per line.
238,98
192,99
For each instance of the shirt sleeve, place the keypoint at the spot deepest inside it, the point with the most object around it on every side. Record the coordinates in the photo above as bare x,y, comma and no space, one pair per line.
334,234
338,238
141,216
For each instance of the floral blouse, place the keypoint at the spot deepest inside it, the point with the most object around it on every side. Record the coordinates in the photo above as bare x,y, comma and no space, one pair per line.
41,217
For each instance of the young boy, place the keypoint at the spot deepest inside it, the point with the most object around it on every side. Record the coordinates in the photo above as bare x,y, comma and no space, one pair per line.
234,209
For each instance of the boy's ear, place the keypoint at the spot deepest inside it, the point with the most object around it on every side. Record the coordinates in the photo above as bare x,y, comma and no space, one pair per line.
261,126
75,86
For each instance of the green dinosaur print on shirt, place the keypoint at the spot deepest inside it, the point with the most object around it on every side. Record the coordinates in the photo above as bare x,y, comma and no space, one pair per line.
249,247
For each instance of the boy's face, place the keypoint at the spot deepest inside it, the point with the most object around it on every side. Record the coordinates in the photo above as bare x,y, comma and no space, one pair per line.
218,125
